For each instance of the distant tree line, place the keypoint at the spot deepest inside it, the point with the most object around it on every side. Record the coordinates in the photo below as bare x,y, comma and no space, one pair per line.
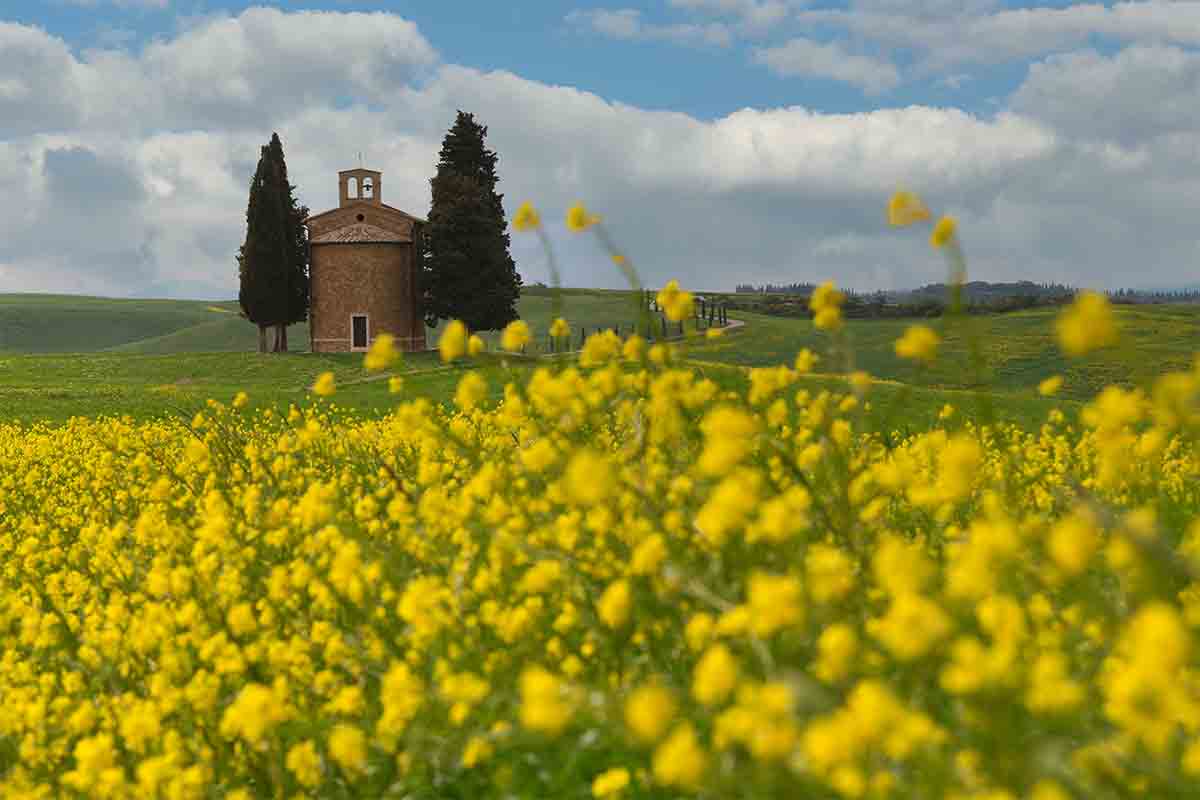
980,297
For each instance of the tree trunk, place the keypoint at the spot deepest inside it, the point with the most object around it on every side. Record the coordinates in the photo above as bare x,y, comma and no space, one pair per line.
275,339
281,338
262,338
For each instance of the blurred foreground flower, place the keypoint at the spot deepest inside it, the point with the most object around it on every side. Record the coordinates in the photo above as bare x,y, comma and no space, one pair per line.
905,208
826,305
559,329
526,218
324,385
919,343
943,232
1050,386
515,336
453,343
382,353
1087,324
677,304
579,219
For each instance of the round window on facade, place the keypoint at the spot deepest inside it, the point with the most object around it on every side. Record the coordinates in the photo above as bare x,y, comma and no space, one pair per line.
361,217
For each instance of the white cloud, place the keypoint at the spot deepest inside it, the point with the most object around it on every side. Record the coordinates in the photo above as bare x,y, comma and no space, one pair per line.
626,23
1090,177
1140,93
948,33
753,15
123,3
806,58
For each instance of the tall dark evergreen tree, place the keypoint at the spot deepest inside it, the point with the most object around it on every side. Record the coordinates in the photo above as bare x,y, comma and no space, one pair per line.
272,262
263,257
296,284
467,272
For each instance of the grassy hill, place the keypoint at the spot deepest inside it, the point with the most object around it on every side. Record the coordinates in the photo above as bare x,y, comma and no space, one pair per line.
146,357
1020,349
32,323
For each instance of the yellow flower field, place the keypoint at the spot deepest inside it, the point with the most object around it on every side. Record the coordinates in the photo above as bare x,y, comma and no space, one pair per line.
623,581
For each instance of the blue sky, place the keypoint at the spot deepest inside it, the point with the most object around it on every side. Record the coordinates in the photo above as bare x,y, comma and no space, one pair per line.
724,141
535,39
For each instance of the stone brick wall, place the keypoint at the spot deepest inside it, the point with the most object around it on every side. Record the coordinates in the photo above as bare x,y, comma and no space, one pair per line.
379,216
375,279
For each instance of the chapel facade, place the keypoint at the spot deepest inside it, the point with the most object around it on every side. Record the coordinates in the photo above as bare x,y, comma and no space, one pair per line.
363,270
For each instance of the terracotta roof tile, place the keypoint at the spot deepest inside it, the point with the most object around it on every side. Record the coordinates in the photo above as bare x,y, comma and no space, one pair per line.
360,232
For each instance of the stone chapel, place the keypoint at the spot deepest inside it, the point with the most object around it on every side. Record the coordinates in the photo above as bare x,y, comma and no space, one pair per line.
363,270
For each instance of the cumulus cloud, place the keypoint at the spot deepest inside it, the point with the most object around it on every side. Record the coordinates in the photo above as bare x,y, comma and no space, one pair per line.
114,186
1140,93
947,33
123,3
804,57
752,15
626,23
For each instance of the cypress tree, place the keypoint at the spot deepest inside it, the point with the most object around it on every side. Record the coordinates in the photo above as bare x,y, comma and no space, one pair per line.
295,286
467,271
263,256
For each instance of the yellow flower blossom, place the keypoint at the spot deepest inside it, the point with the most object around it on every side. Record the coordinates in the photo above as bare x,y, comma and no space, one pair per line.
919,343
943,232
610,783
559,329
578,218
453,342
1087,325
905,208
324,385
526,218
826,305
649,712
382,354
1050,386
515,336
680,761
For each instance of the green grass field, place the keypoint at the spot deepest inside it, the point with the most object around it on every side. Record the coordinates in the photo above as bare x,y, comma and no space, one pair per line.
65,356
32,323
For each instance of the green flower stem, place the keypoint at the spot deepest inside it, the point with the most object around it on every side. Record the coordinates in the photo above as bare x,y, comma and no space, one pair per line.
556,302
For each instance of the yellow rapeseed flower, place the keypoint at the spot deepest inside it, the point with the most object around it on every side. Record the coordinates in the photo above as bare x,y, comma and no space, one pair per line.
348,748
680,761
610,783
905,208
943,232
526,218
615,604
826,305
382,354
677,304
324,385
516,335
1050,386
715,676
472,390
543,706
475,345
453,343
919,343
649,712
578,218
1087,325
